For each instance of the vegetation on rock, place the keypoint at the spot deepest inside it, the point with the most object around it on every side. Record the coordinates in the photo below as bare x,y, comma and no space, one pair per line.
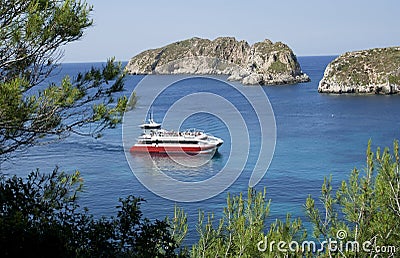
270,63
374,71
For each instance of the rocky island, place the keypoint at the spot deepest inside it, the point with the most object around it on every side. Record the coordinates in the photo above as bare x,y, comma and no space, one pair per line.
373,71
264,63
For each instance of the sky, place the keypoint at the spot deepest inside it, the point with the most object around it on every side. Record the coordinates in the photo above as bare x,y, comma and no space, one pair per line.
124,28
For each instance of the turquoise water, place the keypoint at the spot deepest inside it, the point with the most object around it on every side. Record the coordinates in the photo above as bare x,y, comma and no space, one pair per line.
317,135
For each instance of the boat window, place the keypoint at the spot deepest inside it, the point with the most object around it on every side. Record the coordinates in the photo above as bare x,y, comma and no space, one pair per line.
174,141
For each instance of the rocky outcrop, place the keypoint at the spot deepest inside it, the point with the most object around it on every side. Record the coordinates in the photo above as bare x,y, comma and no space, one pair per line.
263,63
373,71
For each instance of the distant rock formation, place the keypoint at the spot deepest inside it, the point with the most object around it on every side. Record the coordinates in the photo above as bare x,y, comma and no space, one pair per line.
373,71
264,63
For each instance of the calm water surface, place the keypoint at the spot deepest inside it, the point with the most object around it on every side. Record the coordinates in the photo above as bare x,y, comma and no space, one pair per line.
317,135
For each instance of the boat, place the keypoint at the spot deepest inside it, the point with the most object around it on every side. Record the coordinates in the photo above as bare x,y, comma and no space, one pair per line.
155,139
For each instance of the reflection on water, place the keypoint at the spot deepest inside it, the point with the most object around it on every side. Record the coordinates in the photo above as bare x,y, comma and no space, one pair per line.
167,177
181,167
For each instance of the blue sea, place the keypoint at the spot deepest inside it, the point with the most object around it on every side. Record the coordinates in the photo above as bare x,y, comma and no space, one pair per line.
316,135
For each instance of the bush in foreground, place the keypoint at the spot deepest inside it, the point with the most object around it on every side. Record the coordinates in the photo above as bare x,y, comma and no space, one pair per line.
360,220
39,217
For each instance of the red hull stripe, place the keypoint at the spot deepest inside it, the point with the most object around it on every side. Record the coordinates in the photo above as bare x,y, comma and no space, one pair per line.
153,149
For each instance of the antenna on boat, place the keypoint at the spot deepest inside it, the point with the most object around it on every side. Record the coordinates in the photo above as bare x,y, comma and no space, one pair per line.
151,116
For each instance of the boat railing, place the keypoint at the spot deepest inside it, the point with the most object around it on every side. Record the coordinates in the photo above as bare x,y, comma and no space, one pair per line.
187,133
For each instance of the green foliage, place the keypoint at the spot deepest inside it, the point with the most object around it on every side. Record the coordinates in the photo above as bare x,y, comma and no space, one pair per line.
131,104
179,228
59,110
241,228
31,34
366,206
278,67
365,209
394,79
39,217
367,67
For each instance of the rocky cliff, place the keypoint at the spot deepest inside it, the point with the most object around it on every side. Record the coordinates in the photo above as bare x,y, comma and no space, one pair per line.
263,63
373,71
